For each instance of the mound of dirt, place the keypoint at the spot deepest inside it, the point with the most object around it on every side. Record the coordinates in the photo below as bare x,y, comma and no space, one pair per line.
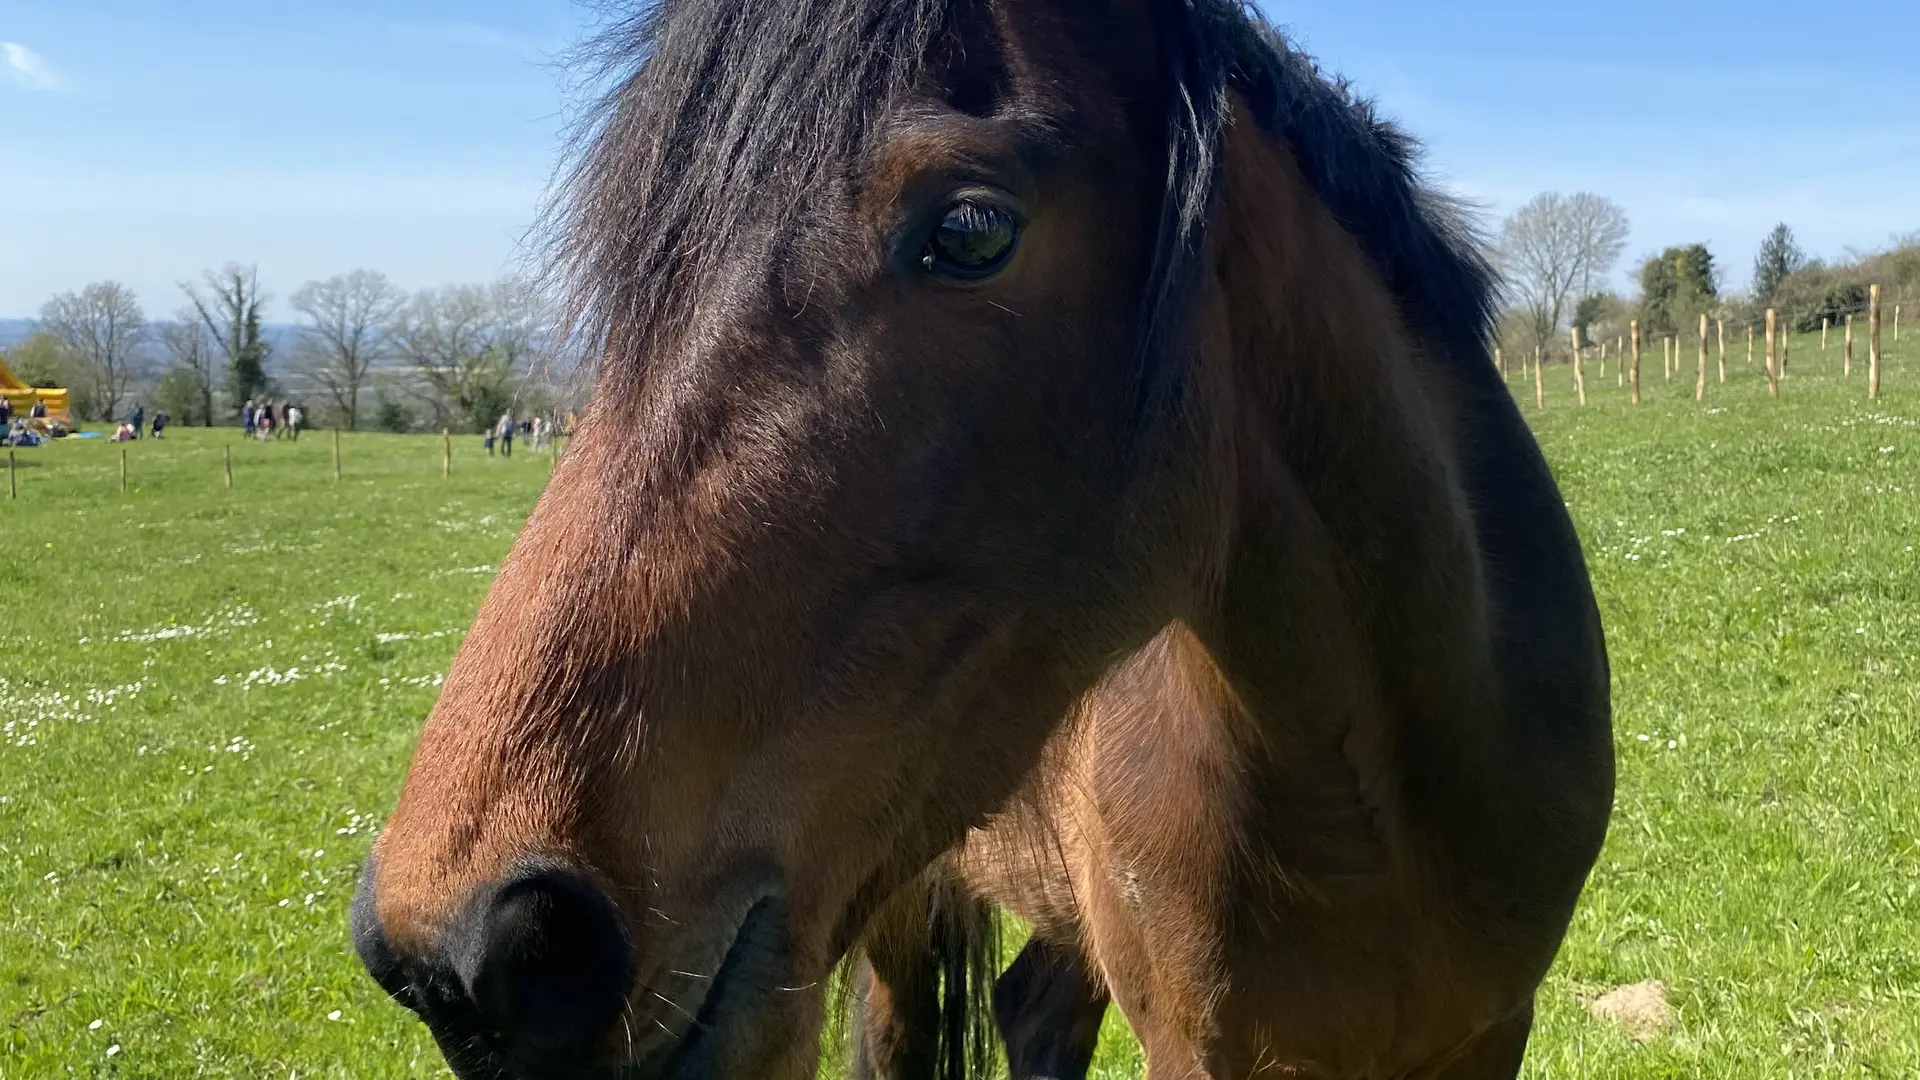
1641,1009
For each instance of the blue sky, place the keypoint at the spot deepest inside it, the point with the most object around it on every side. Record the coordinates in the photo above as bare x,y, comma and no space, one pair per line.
146,141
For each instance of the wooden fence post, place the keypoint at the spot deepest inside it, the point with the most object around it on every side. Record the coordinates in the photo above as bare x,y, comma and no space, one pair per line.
123,470
1896,322
1773,388
1579,377
1873,341
1847,370
229,468
336,455
446,462
1634,332
1666,354
1603,358
13,485
1721,329
1700,381
1749,344
1539,382
1825,321
1786,344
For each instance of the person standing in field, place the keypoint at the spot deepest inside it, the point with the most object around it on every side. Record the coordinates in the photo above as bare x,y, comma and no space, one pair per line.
247,419
296,416
504,432
138,419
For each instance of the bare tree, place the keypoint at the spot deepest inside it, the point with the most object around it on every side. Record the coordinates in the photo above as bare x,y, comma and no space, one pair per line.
1539,255
1553,249
231,312
1600,229
103,328
190,352
350,314
469,344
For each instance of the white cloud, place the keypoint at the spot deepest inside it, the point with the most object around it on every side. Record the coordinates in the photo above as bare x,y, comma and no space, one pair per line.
24,67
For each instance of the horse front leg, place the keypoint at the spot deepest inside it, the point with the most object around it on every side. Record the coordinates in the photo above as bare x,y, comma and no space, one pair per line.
1049,1006
921,1009
896,996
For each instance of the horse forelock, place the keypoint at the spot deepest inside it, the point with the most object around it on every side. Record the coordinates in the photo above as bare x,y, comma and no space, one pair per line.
723,120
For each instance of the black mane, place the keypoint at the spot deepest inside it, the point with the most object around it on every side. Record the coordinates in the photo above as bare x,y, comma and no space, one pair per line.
1365,170
729,114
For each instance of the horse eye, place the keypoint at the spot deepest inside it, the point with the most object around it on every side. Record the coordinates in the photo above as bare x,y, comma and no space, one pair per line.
974,240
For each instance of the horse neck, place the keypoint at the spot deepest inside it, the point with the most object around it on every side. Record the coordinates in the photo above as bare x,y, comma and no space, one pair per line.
1349,593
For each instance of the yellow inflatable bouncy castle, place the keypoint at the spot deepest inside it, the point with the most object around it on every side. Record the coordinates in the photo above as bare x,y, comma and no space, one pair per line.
23,396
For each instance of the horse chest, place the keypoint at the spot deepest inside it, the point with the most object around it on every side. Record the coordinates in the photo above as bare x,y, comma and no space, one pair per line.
1267,899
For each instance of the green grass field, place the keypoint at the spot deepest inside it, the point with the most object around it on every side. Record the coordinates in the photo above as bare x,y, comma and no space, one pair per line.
207,700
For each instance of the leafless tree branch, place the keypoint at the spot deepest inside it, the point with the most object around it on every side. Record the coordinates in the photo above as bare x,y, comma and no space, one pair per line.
1557,244
103,328
349,317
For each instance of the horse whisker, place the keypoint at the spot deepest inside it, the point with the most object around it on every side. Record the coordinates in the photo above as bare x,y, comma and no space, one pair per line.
672,1004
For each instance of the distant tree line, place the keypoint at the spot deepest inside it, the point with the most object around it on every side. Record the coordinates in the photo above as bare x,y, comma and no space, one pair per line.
365,352
1556,253
369,354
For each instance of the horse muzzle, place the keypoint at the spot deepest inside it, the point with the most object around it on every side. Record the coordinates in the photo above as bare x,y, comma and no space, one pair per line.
535,979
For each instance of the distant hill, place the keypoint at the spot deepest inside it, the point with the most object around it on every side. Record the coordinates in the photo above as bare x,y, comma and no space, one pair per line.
279,335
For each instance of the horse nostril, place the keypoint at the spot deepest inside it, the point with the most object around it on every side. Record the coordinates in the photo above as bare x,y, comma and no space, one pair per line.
544,960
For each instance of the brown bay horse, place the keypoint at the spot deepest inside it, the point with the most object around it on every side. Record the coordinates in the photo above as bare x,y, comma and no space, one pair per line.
1045,457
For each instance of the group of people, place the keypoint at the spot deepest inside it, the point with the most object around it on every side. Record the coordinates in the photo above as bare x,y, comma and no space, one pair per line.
272,420
33,429
536,431
136,422
7,419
